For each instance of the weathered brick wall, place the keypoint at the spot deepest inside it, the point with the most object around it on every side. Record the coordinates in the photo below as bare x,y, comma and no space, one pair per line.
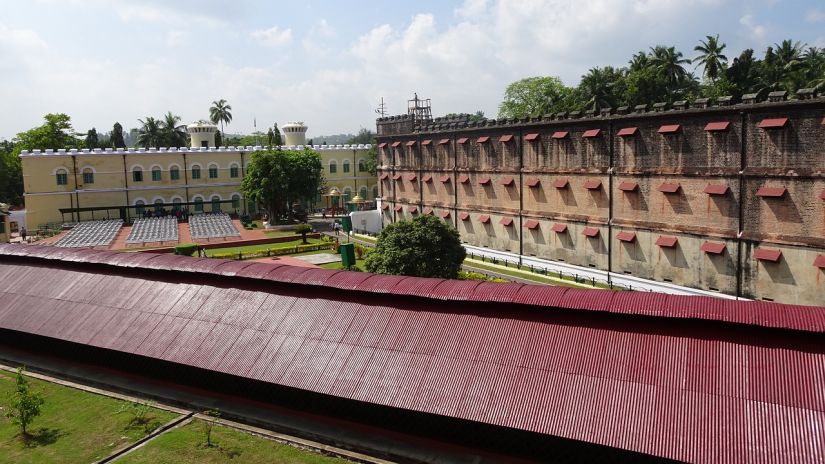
792,278
438,187
566,196
569,245
492,233
797,216
407,186
562,147
486,191
391,125
797,148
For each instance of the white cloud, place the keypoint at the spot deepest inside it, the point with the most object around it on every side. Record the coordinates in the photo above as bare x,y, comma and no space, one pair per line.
177,37
272,37
755,31
814,16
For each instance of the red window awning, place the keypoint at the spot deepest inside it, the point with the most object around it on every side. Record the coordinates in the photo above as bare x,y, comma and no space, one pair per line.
533,182
411,177
560,228
560,134
427,142
714,248
396,177
717,126
385,206
820,261
627,131
667,241
506,221
484,180
428,210
590,232
411,143
669,187
483,139
382,144
383,176
507,181
399,208
767,254
774,123
445,214
484,218
427,178
716,189
626,236
463,179
444,179
532,137
444,141
822,195
531,224
591,133
670,129
770,192
560,183
464,216
593,184
396,144
462,140
506,138
628,186
412,209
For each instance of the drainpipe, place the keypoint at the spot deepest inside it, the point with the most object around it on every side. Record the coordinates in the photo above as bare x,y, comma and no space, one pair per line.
454,180
126,187
741,225
610,195
76,194
520,148
243,174
186,181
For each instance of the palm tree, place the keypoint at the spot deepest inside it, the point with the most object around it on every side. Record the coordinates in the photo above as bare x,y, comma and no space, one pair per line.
598,87
668,62
150,134
220,112
173,133
711,57
639,61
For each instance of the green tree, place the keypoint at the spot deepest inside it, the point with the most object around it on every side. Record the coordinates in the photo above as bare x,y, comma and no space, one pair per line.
23,404
275,179
218,138
364,136
425,247
277,139
270,137
220,112
91,139
173,133
150,133
668,62
117,136
602,88
711,57
303,229
212,417
534,96
56,133
11,174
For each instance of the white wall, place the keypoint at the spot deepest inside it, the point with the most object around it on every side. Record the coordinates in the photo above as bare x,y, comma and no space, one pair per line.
366,221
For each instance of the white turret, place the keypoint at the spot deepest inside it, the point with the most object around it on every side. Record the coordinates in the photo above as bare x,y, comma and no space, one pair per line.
202,134
295,133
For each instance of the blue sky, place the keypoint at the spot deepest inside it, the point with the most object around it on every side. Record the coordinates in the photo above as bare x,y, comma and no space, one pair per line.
328,63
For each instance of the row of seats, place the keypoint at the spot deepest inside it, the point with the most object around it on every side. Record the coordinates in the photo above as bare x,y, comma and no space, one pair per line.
91,234
155,229
212,226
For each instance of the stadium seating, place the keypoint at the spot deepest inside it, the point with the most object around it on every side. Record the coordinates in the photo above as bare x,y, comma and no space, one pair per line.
156,229
207,226
91,234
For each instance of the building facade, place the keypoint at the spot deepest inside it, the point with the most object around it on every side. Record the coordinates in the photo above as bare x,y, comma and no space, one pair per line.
726,198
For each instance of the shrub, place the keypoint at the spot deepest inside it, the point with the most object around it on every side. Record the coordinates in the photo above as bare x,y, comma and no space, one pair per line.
186,249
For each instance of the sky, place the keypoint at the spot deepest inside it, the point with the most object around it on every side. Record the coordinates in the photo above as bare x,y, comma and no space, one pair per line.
329,63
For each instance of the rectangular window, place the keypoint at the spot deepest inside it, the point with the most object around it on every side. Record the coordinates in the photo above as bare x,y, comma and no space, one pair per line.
88,178
333,168
2,226
213,173
236,202
362,166
156,175
196,173
137,176
199,206
233,171
346,167
174,174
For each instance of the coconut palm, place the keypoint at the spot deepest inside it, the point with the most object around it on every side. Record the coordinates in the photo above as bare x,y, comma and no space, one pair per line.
668,62
150,134
711,57
173,132
220,112
598,87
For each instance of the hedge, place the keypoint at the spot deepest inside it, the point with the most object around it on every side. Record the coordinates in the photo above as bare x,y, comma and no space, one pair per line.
186,249
273,252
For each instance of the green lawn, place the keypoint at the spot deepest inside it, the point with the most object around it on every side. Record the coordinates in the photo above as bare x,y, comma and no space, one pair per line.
358,262
186,444
279,233
263,247
567,281
74,426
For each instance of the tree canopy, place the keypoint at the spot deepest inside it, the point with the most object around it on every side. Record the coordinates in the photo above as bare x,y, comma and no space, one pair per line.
533,96
275,179
220,112
424,247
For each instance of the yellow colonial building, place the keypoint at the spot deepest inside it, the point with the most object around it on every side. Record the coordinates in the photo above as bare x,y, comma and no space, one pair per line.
79,185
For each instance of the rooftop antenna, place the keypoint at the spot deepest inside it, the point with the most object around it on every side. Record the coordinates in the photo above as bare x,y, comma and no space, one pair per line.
419,108
382,108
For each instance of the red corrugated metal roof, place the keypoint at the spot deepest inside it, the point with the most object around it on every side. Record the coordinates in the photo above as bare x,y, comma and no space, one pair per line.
531,137
767,254
667,241
717,126
560,134
531,224
592,184
533,182
591,133
559,228
506,221
669,187
444,141
626,236
774,123
560,183
483,139
716,189
444,179
628,186
772,192
696,391
507,181
505,138
669,129
627,131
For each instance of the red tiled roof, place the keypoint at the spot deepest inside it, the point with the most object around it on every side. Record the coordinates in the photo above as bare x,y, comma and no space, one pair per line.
559,228
770,192
626,236
627,131
593,184
669,129
767,254
669,187
396,144
531,224
533,182
410,143
506,221
716,189
483,139
505,138
716,248
444,141
560,134
531,137
717,126
591,133
666,241
774,123
590,232
560,183
427,142
628,186
507,181
444,179
484,218
484,180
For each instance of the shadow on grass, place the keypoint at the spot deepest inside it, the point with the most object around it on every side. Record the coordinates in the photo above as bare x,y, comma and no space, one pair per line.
42,437
230,453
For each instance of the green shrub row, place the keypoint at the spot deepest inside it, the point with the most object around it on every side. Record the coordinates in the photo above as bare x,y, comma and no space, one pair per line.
291,250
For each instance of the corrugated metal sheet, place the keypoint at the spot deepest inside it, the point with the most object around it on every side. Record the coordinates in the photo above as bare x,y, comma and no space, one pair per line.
553,360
